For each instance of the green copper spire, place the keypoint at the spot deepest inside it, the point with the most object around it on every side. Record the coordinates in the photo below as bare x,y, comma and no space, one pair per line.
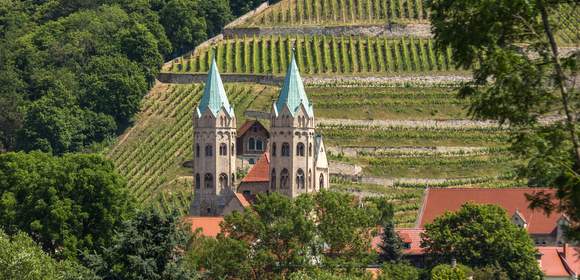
214,95
292,93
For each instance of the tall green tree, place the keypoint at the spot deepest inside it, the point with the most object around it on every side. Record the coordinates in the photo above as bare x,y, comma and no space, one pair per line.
184,24
521,77
391,244
68,204
22,258
480,236
149,246
399,271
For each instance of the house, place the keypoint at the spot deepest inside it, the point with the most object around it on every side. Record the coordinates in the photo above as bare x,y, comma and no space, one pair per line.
560,263
252,140
258,178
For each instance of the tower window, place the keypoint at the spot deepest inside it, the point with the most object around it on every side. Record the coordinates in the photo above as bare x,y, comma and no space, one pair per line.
251,144
208,180
273,179
273,149
321,183
233,178
310,149
300,178
285,150
284,178
208,151
197,181
300,149
223,149
233,149
223,181
197,152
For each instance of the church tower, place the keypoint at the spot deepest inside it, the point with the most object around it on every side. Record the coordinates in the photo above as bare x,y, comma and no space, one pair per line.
214,163
292,143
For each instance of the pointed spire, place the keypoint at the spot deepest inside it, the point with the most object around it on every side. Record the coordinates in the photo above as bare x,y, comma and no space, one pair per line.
214,95
292,94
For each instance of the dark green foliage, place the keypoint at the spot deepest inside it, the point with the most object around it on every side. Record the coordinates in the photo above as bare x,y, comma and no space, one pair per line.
149,246
492,272
22,258
240,7
217,14
399,271
391,244
479,236
68,204
221,256
184,24
447,272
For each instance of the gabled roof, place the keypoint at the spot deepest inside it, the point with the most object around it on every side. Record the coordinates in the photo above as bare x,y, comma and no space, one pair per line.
242,199
439,200
260,172
408,235
210,226
555,263
320,153
292,94
247,125
214,95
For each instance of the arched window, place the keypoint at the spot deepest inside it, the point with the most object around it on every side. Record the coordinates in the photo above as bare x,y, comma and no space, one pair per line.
309,182
310,149
251,144
223,149
208,151
273,149
233,178
197,152
197,181
321,183
284,178
300,178
300,149
208,180
273,179
259,145
223,181
233,149
285,150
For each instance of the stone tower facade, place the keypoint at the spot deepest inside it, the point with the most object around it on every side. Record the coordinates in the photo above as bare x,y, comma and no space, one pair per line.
294,146
214,164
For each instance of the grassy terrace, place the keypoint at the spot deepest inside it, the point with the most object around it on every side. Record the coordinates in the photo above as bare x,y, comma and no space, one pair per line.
364,136
387,103
320,55
339,12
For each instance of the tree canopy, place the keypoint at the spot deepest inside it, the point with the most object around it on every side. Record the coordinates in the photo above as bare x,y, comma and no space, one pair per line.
480,236
67,204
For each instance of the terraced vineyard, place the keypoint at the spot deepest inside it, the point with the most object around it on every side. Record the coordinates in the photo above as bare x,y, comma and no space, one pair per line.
320,55
151,154
336,12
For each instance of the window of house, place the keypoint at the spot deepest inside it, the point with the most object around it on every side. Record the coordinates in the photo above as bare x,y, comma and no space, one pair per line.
259,145
300,149
251,161
208,151
321,182
223,181
406,245
197,152
208,180
284,178
285,150
197,181
300,178
273,179
273,149
251,144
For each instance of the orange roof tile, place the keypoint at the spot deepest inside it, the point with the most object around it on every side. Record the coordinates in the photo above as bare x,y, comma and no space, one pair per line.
555,263
439,200
408,235
243,200
210,226
247,125
260,172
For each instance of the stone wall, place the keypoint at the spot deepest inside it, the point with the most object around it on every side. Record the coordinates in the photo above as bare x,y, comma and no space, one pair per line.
389,30
243,18
174,78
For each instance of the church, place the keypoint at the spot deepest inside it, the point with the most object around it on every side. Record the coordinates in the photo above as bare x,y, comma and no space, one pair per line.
294,158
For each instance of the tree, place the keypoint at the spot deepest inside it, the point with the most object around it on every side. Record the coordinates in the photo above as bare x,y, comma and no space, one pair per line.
479,236
217,14
67,204
399,271
447,272
220,257
492,272
391,244
21,258
149,246
184,25
278,231
240,7
520,77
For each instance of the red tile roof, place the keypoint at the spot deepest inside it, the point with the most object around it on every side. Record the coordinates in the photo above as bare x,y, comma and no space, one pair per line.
555,263
438,201
260,172
247,125
210,226
243,200
408,235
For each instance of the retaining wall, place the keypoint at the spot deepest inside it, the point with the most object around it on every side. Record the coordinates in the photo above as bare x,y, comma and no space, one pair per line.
174,78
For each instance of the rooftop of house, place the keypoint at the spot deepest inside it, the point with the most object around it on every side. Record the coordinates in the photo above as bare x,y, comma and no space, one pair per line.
249,124
560,261
410,236
260,171
210,226
439,200
244,200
